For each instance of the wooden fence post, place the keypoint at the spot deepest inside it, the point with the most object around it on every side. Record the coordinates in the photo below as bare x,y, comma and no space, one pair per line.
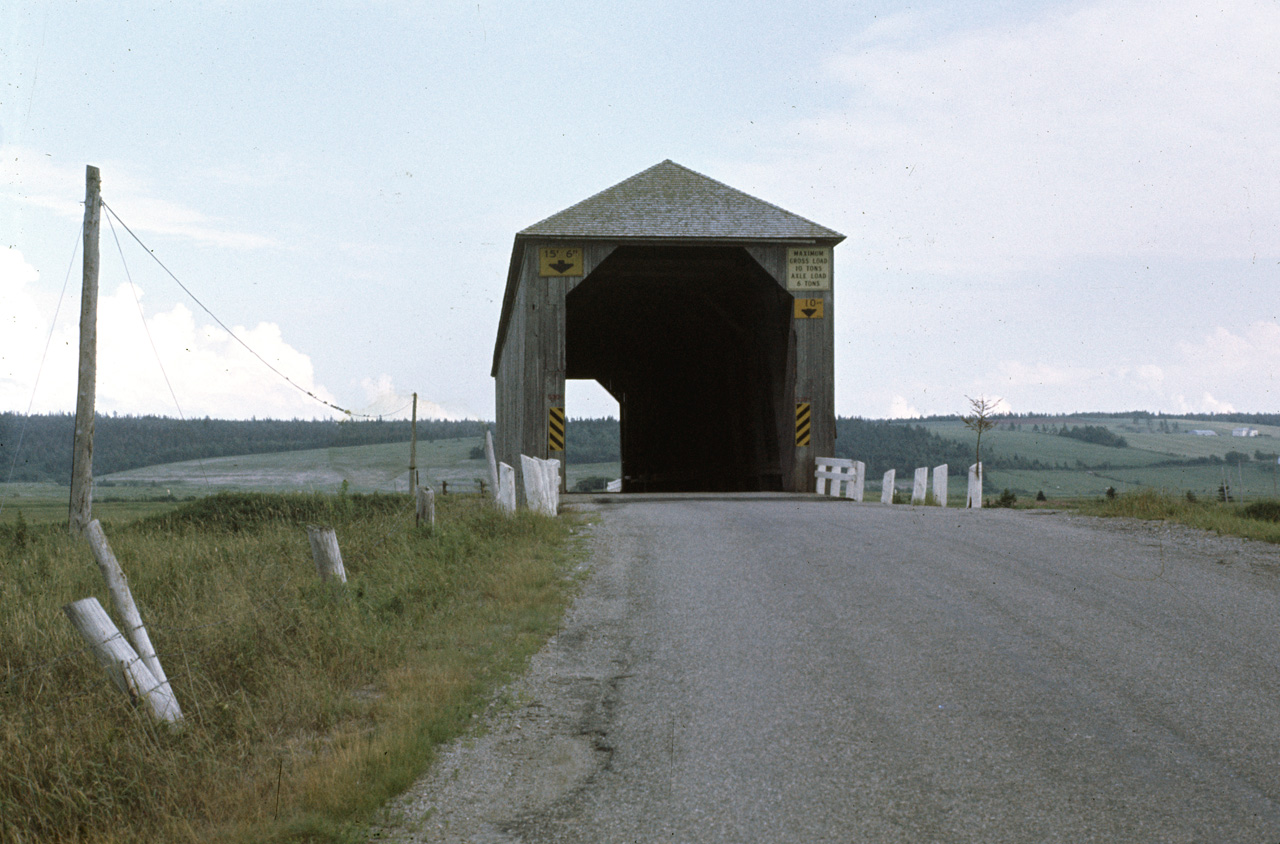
122,663
122,598
425,510
324,548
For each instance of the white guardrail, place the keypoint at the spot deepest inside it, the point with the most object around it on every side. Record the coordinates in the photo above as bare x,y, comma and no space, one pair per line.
833,472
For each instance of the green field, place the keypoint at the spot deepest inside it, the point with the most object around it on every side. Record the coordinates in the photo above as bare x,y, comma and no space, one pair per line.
1083,470
365,468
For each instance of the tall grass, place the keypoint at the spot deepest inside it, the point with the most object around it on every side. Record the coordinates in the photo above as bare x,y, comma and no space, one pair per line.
1256,520
306,705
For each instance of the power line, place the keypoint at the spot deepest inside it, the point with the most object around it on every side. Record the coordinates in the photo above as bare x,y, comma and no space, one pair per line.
223,326
150,339
17,451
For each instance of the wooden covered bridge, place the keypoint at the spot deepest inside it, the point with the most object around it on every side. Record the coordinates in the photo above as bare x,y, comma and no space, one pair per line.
707,314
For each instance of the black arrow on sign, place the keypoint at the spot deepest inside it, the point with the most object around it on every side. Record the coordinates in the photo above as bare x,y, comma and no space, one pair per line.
809,312
562,266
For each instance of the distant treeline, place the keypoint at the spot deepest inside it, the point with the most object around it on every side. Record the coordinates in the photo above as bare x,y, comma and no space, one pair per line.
131,442
1095,434
593,440
893,445
1133,415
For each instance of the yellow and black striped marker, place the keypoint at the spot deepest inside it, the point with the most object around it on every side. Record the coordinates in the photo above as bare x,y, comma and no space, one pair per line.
802,423
555,429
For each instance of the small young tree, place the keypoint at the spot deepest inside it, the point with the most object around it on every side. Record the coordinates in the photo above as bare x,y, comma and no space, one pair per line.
980,420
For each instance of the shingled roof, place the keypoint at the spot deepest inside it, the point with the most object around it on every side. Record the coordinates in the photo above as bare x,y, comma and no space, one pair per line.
671,201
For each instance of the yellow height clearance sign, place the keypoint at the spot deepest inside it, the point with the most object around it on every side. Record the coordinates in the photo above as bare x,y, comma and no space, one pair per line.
809,309
559,261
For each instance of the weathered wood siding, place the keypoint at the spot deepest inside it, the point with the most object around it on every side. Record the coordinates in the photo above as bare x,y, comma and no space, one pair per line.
813,371
531,366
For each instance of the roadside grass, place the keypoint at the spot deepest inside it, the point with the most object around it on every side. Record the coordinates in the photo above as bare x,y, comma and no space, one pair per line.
306,705
1255,520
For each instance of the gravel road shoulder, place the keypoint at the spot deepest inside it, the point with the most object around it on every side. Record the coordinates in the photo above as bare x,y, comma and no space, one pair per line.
543,737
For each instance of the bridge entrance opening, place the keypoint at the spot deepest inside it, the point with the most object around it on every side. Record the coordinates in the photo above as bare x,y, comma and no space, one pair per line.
696,345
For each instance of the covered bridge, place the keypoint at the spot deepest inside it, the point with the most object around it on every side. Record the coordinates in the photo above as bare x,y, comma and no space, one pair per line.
707,314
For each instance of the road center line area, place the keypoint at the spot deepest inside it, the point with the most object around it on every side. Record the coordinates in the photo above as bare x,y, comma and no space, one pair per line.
787,668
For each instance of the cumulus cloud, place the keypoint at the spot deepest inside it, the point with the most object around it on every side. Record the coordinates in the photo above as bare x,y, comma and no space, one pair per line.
210,372
384,400
900,408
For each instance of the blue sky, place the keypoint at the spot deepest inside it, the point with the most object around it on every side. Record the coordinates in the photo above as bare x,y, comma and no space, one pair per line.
1068,205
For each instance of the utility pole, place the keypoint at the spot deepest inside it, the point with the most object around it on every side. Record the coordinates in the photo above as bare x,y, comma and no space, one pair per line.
86,391
413,449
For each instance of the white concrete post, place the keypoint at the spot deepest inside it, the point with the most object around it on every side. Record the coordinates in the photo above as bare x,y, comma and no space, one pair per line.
614,486
886,486
535,482
551,478
940,484
493,463
122,663
425,502
324,548
975,487
122,598
853,489
920,485
506,488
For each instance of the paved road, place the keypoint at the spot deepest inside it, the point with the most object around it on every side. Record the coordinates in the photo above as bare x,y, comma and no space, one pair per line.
793,669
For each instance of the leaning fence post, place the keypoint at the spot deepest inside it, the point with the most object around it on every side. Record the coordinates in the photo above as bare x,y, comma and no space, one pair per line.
940,484
886,486
975,487
506,488
122,598
324,548
492,461
122,663
425,506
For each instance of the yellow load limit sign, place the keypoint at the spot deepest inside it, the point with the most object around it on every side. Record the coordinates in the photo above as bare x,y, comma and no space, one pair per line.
559,261
808,309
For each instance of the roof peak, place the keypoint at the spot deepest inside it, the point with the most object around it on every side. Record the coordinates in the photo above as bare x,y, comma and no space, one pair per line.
669,200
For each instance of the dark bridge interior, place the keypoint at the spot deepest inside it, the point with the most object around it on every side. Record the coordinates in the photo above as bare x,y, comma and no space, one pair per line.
695,343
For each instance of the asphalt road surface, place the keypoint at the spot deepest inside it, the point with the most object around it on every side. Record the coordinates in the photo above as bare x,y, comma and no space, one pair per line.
773,669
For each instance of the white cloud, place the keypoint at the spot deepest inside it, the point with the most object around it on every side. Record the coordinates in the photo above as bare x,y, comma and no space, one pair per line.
1216,373
383,399
211,374
900,408
1114,129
